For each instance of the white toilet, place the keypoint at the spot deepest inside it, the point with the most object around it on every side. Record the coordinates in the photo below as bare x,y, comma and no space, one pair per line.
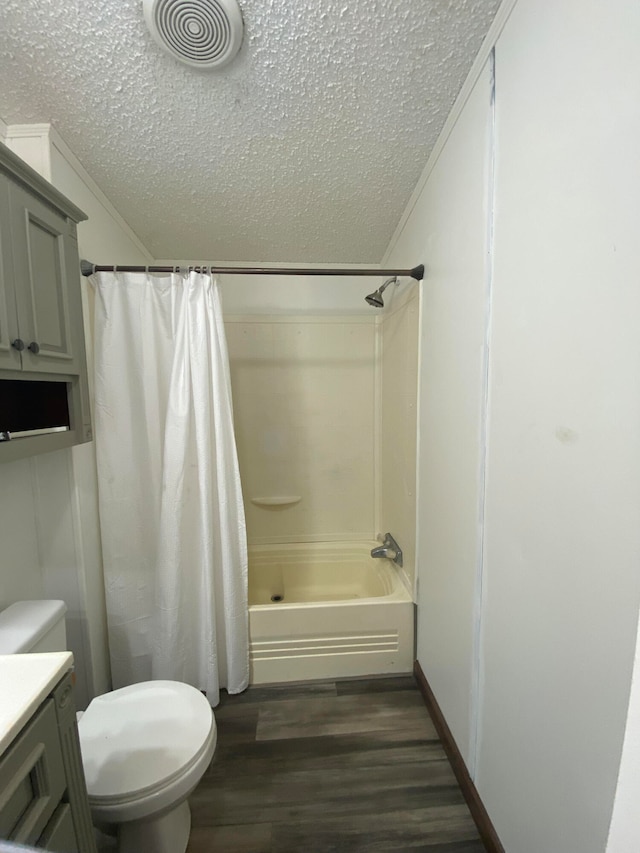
144,747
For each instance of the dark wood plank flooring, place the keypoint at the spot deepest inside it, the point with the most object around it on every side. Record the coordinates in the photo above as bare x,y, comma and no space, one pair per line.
348,766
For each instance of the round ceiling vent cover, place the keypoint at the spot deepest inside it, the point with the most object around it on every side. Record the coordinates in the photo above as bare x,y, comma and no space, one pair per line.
202,33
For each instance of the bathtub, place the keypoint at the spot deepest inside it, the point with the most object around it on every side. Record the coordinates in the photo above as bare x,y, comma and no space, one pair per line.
326,610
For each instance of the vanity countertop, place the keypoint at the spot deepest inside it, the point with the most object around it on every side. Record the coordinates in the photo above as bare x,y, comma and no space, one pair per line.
25,680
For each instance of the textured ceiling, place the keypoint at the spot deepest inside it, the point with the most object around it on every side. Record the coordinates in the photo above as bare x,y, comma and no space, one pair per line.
306,148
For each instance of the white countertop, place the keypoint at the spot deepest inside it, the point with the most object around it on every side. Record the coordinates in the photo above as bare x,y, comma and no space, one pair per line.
25,680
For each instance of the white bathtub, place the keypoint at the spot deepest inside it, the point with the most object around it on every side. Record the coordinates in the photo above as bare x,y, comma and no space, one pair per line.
337,613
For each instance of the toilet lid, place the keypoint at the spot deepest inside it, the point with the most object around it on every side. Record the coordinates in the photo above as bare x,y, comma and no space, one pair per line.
138,738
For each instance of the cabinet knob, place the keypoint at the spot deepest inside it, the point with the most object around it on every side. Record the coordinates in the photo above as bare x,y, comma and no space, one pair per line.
34,347
18,344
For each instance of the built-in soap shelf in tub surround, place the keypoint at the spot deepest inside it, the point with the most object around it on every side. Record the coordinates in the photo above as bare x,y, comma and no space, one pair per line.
277,501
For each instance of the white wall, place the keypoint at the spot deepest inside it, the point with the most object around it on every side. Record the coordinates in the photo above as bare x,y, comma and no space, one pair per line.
447,231
20,571
48,504
563,495
539,707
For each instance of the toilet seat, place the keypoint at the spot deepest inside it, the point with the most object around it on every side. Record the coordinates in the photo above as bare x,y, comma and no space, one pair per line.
143,743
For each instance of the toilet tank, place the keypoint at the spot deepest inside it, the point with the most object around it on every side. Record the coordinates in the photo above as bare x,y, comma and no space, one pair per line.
33,626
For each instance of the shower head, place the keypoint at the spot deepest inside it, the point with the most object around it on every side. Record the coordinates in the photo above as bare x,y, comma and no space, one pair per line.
376,299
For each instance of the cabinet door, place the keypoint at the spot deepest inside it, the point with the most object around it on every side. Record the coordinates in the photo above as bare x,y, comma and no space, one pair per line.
9,357
60,836
32,778
43,258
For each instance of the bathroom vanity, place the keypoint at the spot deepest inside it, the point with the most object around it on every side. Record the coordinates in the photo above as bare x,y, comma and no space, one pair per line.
43,797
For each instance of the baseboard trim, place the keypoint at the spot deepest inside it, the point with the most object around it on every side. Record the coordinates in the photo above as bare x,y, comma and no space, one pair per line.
478,812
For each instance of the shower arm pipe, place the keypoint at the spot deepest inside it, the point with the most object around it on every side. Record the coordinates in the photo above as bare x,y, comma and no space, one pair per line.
87,268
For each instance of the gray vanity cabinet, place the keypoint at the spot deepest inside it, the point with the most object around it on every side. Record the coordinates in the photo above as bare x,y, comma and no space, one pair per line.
41,325
43,796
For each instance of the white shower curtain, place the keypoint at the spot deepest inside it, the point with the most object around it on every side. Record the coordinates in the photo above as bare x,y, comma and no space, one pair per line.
171,512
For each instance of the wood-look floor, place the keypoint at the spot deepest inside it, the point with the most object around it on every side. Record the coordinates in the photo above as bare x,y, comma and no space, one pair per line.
343,766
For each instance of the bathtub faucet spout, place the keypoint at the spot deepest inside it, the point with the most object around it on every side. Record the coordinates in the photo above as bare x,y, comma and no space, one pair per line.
389,549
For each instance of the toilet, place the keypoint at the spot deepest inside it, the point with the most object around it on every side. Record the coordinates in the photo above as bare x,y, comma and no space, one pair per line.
144,747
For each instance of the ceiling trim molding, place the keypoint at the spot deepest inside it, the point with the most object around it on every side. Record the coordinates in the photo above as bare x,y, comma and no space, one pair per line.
3,130
501,18
28,130
34,181
38,155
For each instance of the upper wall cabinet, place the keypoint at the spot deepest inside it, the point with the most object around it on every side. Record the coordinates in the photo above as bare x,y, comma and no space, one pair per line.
41,326
9,356
45,260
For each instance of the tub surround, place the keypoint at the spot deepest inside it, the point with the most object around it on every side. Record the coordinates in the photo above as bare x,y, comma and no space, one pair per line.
398,377
324,466
25,680
304,400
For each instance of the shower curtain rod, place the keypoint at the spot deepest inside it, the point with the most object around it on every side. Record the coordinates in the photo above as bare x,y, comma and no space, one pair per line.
87,268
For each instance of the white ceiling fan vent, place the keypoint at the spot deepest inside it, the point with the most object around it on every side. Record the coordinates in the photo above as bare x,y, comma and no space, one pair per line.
201,33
